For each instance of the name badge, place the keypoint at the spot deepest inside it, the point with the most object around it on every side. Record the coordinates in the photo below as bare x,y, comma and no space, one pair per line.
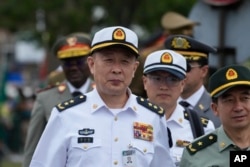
85,139
128,158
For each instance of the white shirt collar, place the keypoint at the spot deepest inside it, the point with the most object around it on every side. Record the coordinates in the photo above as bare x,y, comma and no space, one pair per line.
83,89
99,103
177,116
194,98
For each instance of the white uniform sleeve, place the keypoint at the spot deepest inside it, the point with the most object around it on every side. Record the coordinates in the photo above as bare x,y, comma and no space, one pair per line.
210,127
162,156
52,146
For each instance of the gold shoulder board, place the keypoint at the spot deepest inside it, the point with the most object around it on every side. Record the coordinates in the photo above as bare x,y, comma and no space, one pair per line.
153,107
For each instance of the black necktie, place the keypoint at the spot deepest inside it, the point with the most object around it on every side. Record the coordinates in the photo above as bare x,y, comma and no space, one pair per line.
76,93
184,103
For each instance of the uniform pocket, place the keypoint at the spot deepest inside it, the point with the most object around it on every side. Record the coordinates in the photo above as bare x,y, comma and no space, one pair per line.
86,143
84,150
144,151
144,147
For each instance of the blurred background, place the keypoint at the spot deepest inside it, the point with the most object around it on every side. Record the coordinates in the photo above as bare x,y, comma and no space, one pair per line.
28,29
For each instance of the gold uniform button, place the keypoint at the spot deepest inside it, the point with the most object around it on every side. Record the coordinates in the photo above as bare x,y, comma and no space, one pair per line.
115,162
145,150
85,147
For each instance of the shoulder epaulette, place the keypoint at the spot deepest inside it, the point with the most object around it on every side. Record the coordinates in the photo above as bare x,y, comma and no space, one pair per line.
201,143
46,88
153,107
71,102
186,116
204,121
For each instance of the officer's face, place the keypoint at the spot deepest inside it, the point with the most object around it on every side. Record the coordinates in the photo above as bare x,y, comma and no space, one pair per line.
163,88
233,108
194,78
76,70
113,69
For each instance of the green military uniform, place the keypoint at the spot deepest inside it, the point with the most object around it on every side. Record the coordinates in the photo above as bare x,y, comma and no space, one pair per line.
214,149
210,150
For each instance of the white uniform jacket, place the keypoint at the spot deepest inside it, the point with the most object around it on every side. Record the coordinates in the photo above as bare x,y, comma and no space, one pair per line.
84,132
181,132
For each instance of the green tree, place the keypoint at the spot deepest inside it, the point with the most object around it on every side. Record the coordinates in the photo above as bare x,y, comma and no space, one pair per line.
66,16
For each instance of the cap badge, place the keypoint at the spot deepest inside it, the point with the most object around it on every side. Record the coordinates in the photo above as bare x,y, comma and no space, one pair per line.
231,74
166,58
180,43
119,34
72,41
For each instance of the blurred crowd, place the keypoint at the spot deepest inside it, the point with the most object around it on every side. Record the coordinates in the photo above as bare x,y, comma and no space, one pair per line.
14,118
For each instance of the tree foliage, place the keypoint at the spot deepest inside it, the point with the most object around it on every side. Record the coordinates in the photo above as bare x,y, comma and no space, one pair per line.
66,16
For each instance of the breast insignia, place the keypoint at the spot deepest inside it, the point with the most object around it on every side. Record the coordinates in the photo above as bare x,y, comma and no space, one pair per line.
201,143
153,107
71,102
182,143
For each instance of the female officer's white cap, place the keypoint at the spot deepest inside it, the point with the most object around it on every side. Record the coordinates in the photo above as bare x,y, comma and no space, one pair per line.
166,60
116,35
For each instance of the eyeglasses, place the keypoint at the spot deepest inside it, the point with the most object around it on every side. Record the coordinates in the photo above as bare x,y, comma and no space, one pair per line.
169,80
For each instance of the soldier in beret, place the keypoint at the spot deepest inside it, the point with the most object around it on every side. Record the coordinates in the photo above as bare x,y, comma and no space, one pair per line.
72,51
194,95
229,88
108,126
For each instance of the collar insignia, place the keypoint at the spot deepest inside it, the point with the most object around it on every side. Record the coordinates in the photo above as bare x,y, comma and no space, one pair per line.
61,88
